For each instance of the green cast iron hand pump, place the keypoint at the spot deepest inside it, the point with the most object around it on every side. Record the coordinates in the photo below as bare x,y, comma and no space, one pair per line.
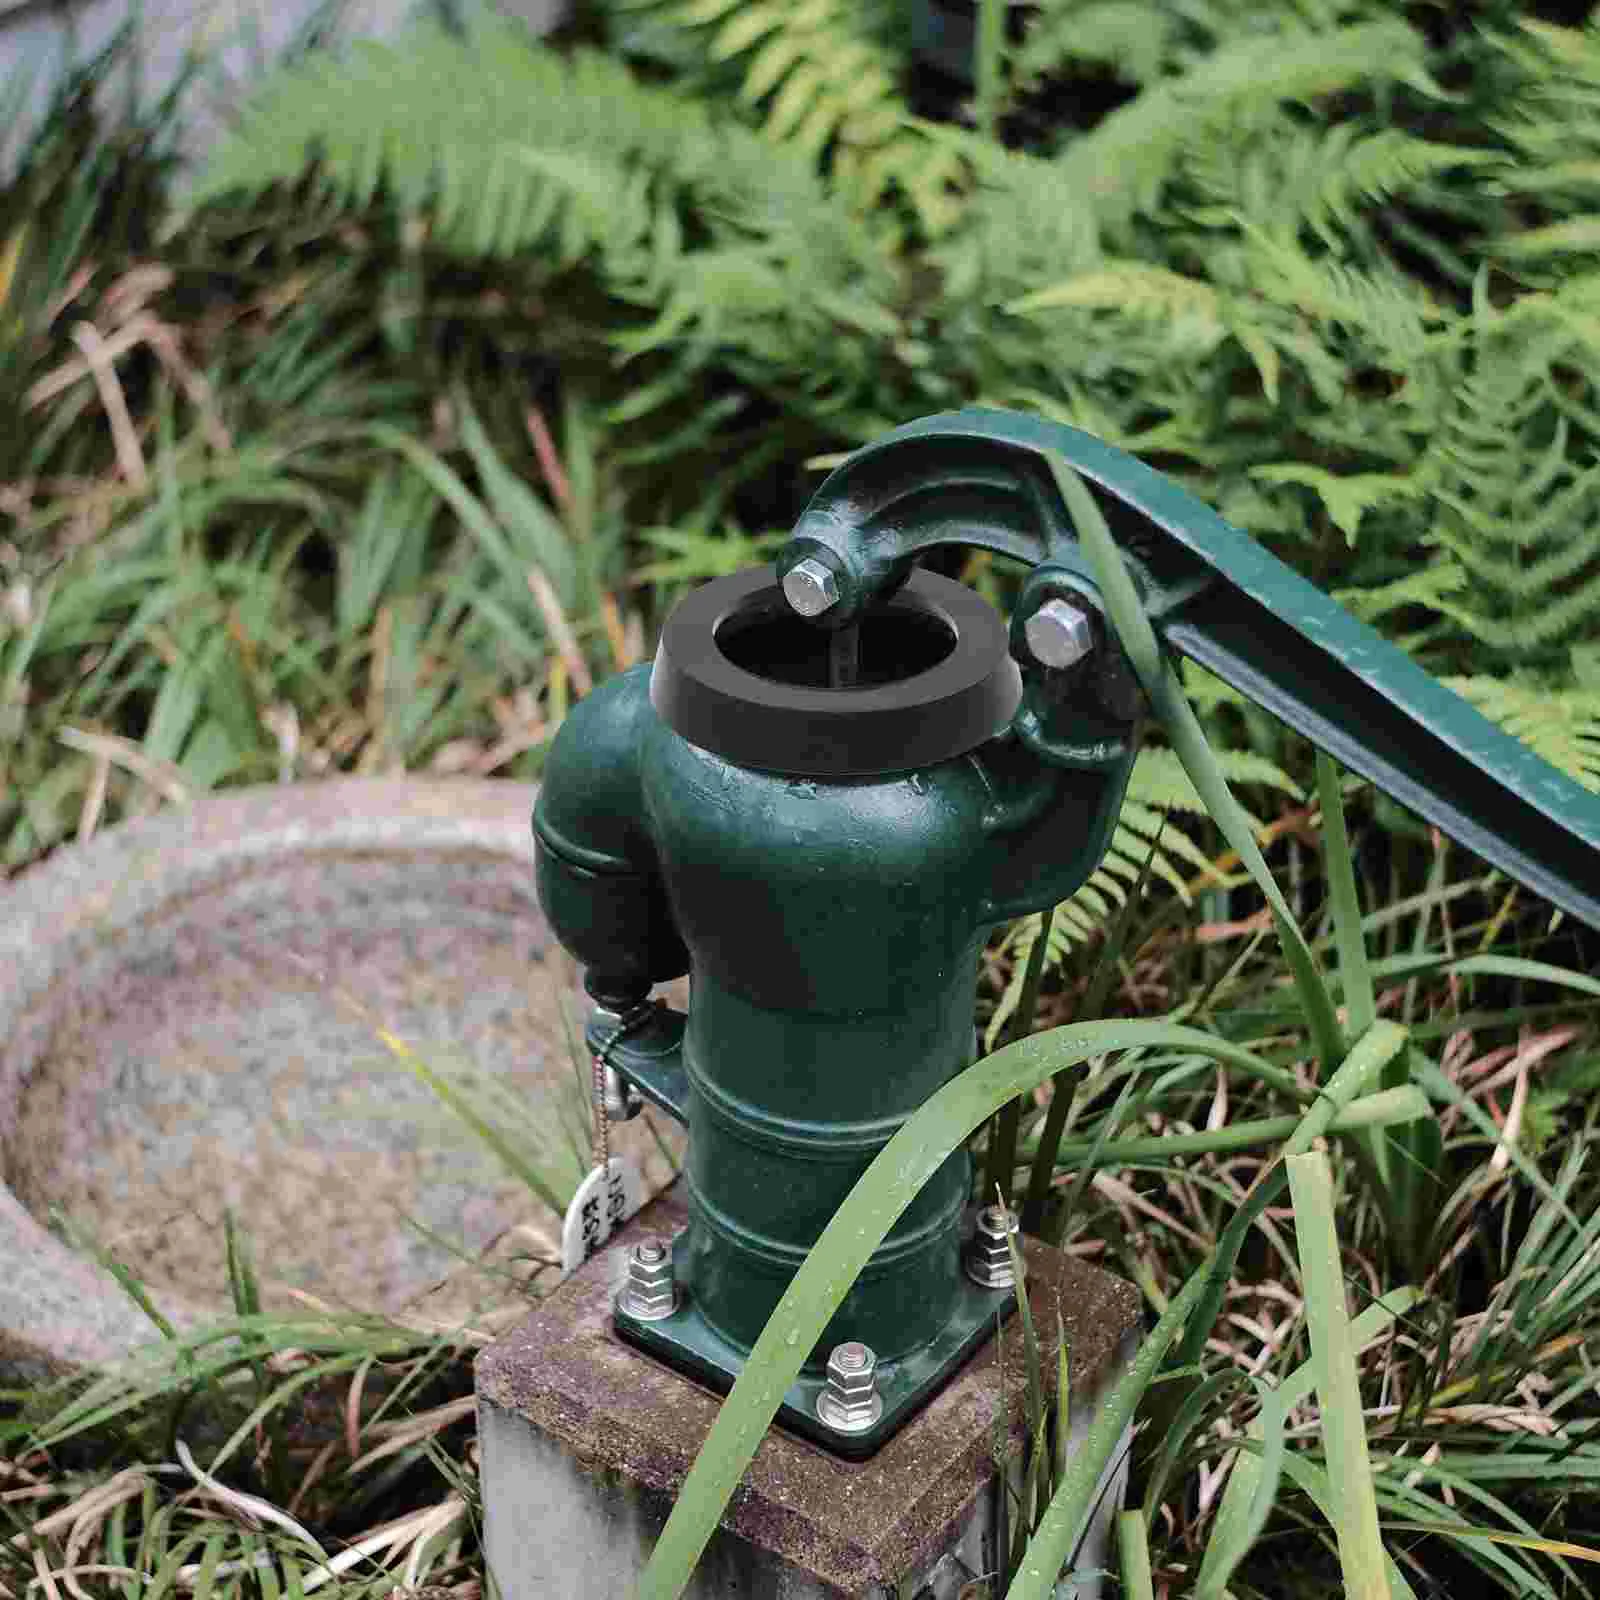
842,772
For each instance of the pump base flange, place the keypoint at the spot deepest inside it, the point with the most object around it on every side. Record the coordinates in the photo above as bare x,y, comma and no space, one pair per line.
687,1342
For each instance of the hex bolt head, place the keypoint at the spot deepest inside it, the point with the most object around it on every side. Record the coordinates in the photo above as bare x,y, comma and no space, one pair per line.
622,1102
1059,634
988,1257
810,588
851,1402
650,1294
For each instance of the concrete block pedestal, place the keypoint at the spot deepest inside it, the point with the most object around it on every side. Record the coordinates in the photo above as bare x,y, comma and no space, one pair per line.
585,1441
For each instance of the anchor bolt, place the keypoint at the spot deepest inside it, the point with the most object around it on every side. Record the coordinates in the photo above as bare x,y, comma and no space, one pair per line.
650,1294
851,1402
989,1255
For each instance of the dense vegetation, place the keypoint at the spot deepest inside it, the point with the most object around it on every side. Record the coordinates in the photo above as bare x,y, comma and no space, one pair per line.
377,440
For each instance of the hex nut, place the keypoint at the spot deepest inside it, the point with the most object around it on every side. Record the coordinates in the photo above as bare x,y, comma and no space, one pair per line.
988,1256
810,588
851,1403
1059,634
650,1294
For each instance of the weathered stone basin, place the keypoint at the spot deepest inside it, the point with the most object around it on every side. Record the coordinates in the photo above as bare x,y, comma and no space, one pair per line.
189,1016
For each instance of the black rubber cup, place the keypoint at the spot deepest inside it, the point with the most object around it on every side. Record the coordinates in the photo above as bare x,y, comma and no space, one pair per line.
740,674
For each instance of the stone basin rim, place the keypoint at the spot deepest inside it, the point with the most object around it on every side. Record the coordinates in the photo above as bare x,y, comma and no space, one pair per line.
84,896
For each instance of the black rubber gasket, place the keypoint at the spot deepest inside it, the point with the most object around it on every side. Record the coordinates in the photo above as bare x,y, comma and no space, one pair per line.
795,728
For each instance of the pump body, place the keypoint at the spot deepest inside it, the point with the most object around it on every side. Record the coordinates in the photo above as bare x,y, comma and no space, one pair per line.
833,924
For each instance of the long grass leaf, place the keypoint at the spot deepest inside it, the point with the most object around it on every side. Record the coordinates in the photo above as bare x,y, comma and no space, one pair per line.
1068,1512
509,1157
1133,1544
1166,694
1386,1108
1350,941
1247,1499
1371,1054
1338,1383
1313,1482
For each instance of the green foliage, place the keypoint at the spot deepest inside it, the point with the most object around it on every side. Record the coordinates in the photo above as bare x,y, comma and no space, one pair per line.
1563,725
829,85
511,150
1331,265
1266,268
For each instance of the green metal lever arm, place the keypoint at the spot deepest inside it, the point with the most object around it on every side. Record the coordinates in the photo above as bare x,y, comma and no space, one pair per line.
980,478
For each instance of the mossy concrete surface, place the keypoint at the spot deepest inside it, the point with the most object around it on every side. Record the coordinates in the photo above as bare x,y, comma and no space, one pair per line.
584,1443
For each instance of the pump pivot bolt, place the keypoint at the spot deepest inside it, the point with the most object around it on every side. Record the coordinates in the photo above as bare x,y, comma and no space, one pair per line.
810,588
650,1294
851,1402
989,1255
1059,634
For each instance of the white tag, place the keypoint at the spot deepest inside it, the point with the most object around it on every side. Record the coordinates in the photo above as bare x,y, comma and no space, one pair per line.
605,1200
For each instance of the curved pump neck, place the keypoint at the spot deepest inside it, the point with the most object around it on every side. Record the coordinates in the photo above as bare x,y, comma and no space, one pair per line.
983,478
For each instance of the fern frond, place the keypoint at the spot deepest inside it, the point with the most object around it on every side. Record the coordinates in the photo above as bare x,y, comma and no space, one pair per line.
1286,174
1137,289
1348,497
1123,163
1160,781
1513,464
1024,222
1553,130
1194,317
1560,725
829,86
1132,37
1389,311
1428,586
507,148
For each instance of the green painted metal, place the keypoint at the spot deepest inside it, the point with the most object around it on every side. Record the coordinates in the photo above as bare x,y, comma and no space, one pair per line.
833,926
833,930
979,477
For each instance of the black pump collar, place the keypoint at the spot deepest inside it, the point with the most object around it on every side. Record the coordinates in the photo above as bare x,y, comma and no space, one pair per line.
945,679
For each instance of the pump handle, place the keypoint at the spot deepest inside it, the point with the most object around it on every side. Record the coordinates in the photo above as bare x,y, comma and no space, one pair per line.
979,478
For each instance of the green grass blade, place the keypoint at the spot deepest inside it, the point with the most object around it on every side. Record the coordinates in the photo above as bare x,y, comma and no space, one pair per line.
1002,1155
1030,1340
1338,1382
1063,1398
1247,1499
1051,1547
1055,1121
1233,1534
1313,1482
1133,1544
510,1158
1166,694
1093,1159
1386,1108
533,530
1371,1054
1439,1087
1354,971
126,1281
1200,1407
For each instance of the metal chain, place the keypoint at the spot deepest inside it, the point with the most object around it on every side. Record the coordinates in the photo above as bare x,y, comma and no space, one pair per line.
630,1023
